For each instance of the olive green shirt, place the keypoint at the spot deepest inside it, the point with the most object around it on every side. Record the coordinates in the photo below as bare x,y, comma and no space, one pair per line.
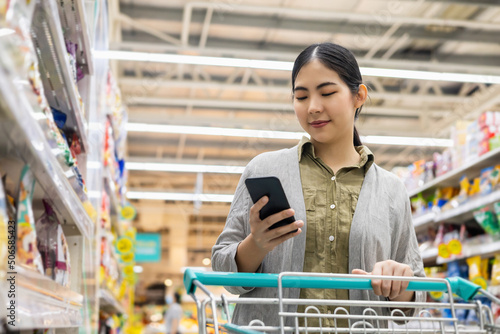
330,201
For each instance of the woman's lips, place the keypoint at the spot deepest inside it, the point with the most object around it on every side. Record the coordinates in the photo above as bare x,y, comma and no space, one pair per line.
319,124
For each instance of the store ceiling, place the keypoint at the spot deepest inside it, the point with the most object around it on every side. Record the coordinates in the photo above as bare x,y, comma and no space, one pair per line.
450,36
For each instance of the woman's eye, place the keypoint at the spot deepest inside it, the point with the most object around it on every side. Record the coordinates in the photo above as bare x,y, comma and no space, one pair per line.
328,94
301,98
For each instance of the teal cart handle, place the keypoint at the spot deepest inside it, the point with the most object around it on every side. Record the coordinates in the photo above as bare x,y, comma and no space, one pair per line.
461,287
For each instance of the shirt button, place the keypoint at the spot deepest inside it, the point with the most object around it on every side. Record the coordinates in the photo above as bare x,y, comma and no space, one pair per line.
333,178
332,206
331,238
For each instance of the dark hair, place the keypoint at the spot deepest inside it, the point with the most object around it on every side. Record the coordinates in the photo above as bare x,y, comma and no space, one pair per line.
338,59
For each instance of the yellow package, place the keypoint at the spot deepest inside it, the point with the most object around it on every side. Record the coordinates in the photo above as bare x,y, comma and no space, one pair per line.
475,274
495,271
484,268
474,267
475,187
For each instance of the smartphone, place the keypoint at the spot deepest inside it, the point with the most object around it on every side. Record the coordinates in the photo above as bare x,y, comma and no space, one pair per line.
271,187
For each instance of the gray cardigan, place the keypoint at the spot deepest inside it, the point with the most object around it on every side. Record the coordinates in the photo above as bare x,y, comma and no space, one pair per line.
381,229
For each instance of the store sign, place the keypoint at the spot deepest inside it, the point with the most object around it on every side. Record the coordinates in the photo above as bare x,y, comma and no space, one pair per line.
147,247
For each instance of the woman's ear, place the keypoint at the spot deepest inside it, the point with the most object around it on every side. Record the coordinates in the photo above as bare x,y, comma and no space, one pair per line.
361,96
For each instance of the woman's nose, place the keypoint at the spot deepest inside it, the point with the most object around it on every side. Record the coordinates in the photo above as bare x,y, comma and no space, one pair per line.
315,106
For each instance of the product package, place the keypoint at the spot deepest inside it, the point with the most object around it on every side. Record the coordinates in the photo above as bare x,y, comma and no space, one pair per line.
27,250
487,220
53,246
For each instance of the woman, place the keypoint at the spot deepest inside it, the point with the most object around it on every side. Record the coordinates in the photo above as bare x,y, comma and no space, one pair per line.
352,216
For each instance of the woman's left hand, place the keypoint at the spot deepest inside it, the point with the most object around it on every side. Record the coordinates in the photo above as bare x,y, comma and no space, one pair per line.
394,290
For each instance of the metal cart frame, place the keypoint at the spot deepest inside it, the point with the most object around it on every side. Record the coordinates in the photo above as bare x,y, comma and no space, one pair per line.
367,322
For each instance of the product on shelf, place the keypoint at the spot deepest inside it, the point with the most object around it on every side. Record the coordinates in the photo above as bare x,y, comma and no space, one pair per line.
470,141
27,250
449,198
487,220
53,246
478,273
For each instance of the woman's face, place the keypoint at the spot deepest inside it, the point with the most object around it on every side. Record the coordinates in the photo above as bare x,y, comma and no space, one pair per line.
324,104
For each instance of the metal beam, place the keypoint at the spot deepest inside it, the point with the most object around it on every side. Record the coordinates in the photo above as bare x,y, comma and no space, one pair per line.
126,82
265,106
368,28
325,15
439,63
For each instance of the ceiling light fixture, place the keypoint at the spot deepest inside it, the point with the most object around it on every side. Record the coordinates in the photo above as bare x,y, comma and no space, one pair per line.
188,197
268,134
213,131
287,66
186,168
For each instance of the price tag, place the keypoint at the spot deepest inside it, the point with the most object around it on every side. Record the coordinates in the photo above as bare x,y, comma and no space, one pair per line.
128,270
443,251
124,245
127,258
455,247
128,212
131,280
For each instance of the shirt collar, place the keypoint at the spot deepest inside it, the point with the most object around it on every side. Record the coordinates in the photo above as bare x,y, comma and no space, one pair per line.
367,157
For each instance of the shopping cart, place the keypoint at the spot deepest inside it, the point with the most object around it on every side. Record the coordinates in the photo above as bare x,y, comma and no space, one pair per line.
428,318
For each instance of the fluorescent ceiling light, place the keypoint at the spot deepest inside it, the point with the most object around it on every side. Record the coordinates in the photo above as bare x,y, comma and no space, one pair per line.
195,60
268,134
213,131
186,168
189,197
287,66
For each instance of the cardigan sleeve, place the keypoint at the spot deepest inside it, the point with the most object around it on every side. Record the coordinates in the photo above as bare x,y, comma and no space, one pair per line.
237,228
407,248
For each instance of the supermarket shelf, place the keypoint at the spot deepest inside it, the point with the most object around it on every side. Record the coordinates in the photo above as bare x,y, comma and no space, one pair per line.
42,303
24,138
424,219
471,169
483,250
429,255
109,303
110,188
58,81
464,211
74,25
458,215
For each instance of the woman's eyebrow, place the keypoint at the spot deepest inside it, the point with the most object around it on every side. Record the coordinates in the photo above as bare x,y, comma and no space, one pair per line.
325,84
300,88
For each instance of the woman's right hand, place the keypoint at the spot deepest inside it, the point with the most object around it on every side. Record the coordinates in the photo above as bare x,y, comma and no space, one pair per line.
266,239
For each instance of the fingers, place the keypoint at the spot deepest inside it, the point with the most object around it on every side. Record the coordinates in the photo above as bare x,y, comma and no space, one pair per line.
390,288
282,230
275,242
273,219
377,283
359,272
396,285
255,209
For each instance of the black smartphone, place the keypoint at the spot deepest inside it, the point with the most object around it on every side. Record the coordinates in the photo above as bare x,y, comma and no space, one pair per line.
269,186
